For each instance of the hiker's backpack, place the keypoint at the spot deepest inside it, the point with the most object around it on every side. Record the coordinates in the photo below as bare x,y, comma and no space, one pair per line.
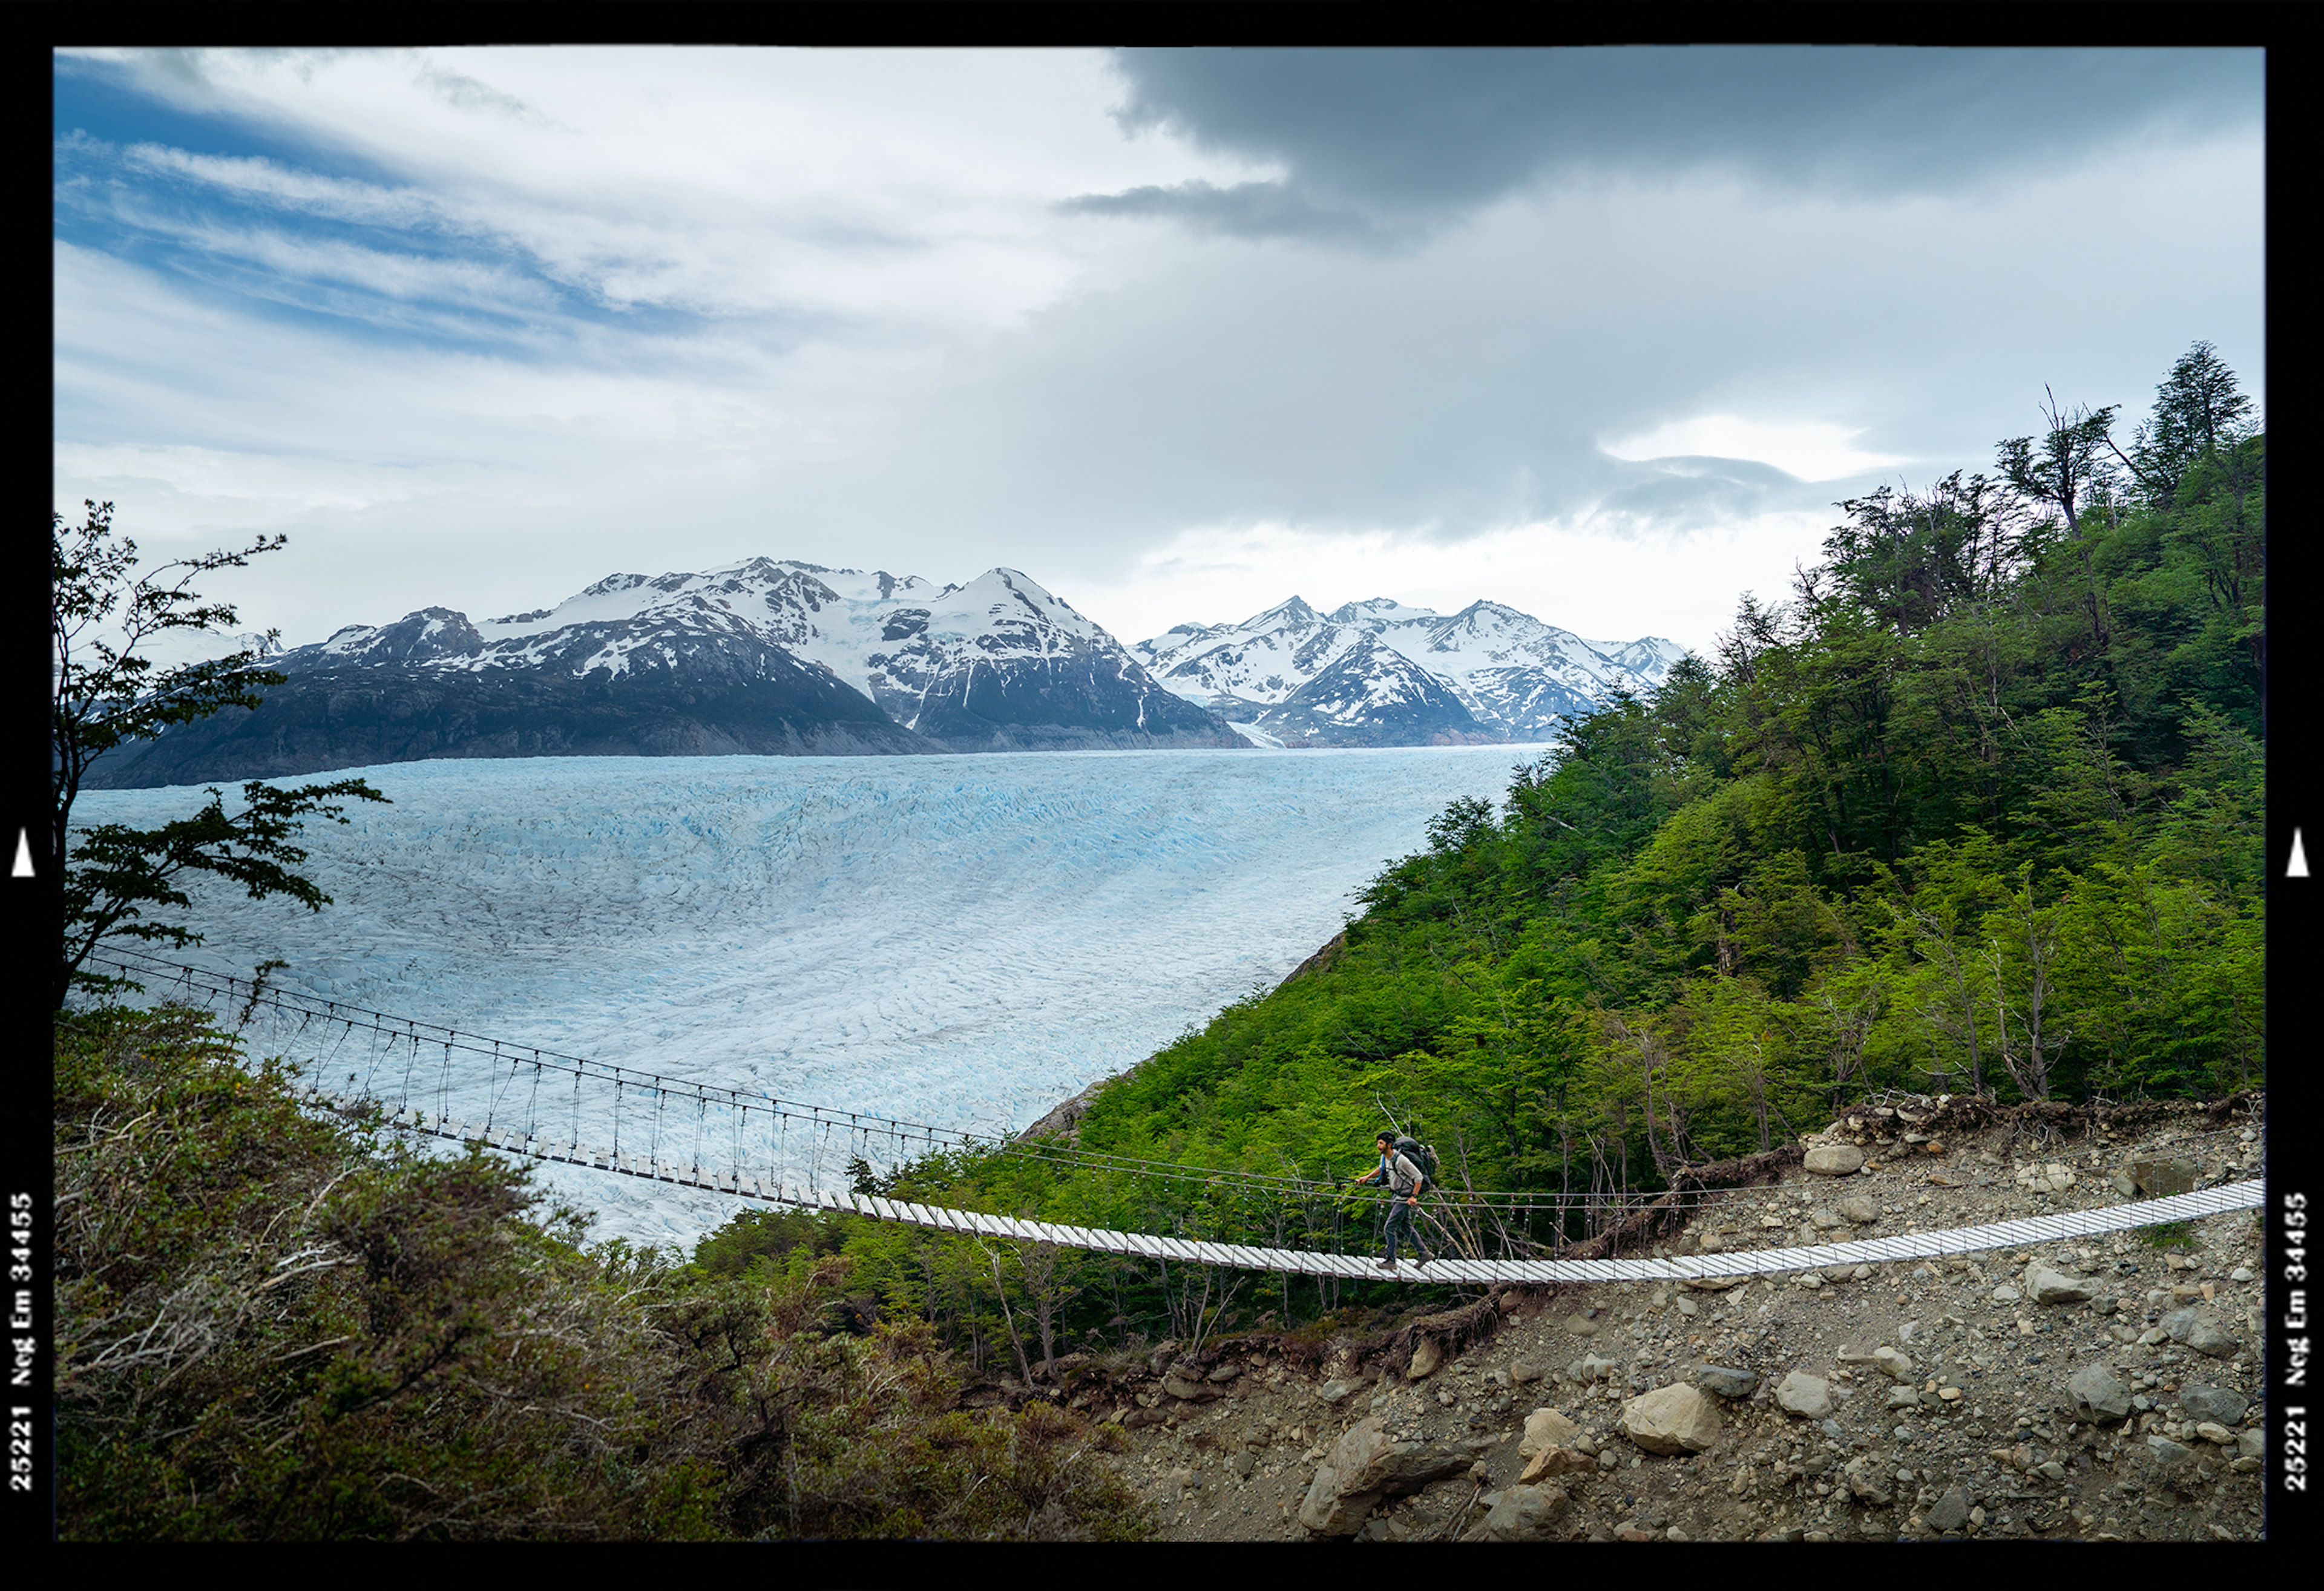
1421,1155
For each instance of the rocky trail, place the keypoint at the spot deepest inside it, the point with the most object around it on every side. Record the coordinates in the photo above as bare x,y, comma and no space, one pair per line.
2105,1388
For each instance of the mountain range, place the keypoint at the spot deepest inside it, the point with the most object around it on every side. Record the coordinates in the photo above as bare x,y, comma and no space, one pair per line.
1379,673
792,659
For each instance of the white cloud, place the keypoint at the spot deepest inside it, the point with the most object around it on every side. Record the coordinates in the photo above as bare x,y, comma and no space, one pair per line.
588,310
1617,588
1810,449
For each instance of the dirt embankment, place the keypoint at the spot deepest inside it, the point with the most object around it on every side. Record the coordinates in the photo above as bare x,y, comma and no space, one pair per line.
2103,1387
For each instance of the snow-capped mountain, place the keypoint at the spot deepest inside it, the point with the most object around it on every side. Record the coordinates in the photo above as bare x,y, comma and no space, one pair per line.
1349,678
760,657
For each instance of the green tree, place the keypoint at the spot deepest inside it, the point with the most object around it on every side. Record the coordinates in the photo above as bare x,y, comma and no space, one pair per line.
106,693
2199,411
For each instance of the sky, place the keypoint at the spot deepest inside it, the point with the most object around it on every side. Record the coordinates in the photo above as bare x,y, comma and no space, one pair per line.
1601,333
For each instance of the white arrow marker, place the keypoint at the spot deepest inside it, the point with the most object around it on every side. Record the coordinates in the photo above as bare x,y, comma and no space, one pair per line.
2297,868
24,868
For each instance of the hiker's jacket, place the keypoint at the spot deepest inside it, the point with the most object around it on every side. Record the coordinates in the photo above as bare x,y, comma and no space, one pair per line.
1398,1174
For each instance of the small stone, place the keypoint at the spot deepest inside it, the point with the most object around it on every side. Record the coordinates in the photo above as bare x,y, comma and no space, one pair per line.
1950,1394
1582,1326
1335,1392
2005,1294
1833,1160
2240,1273
1523,1374
1726,1382
1863,1212
1891,1363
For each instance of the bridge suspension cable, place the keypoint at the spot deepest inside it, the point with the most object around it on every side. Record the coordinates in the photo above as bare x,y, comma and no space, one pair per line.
578,1141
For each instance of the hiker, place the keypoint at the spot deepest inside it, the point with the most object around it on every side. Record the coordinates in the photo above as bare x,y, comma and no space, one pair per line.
1403,1179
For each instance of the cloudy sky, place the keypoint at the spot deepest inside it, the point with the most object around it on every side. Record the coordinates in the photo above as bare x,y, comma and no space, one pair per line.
1602,334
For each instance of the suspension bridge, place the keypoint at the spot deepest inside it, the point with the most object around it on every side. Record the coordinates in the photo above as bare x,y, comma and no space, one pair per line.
539,1104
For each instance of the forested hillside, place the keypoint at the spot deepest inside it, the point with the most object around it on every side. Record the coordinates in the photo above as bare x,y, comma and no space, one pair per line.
1976,806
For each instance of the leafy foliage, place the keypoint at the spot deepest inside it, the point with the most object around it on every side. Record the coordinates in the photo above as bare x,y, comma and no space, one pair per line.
106,693
269,1327
1976,808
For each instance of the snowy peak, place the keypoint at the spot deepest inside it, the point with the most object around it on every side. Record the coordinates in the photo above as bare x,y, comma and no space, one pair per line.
1002,660
1515,676
1379,611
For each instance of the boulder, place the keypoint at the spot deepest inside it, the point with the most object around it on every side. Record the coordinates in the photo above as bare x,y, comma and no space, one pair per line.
1726,1382
2218,1403
2160,1178
1527,1514
2051,1286
1427,1354
1808,1396
1863,1212
1949,1511
1194,1391
1557,1461
1676,1419
1366,1465
2171,1461
1834,1160
2098,1395
1333,1392
2200,1329
1546,1429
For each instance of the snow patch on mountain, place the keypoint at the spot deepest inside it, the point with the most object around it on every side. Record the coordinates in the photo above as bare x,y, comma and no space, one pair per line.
1512,676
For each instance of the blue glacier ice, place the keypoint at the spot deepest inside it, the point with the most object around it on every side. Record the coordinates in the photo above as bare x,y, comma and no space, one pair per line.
958,940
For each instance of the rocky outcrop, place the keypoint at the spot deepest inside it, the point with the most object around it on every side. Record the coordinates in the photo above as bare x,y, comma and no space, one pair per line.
1365,1466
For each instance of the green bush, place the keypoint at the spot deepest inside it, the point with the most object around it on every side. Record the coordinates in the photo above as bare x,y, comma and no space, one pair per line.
272,1325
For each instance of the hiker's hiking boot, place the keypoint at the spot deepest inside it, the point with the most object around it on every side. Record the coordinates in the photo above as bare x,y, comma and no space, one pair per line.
1387,1264
1422,1261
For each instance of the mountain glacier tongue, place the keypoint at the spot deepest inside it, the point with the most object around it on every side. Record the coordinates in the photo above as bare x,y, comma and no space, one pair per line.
1492,672
962,941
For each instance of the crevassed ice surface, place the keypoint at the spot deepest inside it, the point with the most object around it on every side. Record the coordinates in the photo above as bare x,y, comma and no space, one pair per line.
962,941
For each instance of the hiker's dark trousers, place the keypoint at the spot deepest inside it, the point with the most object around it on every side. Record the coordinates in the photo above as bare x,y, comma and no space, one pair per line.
1399,1224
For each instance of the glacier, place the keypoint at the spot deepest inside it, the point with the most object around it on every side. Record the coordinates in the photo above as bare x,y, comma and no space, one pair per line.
958,940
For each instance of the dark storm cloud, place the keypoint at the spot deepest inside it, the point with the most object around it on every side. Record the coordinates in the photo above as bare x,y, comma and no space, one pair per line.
1379,144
